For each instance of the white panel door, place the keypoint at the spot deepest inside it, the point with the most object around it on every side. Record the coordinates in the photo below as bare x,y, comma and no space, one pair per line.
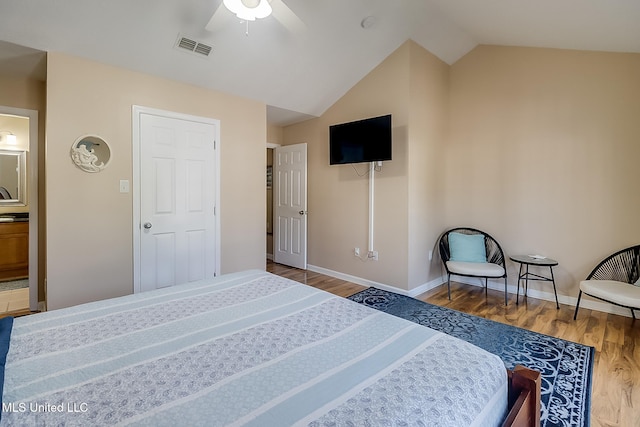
290,205
177,201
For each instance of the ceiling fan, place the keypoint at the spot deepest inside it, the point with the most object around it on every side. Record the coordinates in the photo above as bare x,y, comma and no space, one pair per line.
250,10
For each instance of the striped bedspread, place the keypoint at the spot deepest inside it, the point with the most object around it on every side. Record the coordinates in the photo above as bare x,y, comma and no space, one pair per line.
247,348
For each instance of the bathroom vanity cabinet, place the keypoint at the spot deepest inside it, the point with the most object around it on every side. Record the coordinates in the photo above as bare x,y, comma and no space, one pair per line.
14,250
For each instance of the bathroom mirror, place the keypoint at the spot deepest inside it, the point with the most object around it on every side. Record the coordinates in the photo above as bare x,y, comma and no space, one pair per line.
13,177
90,153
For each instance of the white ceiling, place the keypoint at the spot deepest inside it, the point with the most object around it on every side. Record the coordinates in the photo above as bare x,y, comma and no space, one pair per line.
298,74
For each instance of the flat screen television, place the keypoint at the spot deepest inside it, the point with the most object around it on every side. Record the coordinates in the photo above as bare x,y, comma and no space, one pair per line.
367,140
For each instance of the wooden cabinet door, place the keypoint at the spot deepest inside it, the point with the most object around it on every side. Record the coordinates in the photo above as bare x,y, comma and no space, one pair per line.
14,250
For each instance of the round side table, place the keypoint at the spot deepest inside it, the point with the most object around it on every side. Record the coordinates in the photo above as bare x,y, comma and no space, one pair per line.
525,261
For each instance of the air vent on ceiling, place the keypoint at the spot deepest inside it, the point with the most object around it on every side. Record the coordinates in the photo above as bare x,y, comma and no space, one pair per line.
193,46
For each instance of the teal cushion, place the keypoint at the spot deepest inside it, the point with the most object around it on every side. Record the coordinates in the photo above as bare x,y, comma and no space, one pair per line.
467,247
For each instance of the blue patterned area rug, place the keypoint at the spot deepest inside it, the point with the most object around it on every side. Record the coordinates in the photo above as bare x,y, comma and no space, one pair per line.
566,366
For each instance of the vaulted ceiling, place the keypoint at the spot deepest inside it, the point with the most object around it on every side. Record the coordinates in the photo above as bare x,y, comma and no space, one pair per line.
297,66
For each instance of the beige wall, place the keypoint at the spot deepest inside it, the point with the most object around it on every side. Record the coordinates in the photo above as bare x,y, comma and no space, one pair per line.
538,147
90,254
427,140
338,195
275,134
543,154
20,92
19,126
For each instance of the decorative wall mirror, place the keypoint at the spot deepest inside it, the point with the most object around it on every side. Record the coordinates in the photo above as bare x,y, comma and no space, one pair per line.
13,177
90,153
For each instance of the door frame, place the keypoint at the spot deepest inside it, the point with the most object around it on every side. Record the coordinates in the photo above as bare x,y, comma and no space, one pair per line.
137,111
32,193
272,146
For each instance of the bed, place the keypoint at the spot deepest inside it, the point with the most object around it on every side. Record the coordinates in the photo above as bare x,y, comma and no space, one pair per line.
247,348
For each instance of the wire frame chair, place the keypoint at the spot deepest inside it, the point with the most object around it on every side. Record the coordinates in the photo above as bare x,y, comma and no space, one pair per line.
622,266
495,255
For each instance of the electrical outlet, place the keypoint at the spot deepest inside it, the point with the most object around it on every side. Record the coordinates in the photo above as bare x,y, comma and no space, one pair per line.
373,255
356,251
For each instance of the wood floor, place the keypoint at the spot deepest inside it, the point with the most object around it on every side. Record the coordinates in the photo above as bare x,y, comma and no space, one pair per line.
14,301
615,397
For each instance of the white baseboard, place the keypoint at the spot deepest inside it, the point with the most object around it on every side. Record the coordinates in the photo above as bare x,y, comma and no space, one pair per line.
586,302
432,284
355,279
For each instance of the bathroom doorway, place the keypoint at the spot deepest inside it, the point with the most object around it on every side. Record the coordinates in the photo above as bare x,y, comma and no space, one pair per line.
18,210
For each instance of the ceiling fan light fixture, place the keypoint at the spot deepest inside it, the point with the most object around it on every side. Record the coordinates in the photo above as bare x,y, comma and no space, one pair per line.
242,11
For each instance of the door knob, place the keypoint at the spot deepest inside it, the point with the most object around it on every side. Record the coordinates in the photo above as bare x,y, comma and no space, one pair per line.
302,212
147,225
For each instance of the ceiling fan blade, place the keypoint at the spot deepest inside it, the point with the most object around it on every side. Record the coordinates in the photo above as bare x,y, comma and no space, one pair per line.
287,17
219,18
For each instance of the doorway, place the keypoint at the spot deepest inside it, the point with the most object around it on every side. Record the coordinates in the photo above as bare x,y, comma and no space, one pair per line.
176,198
18,210
270,148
